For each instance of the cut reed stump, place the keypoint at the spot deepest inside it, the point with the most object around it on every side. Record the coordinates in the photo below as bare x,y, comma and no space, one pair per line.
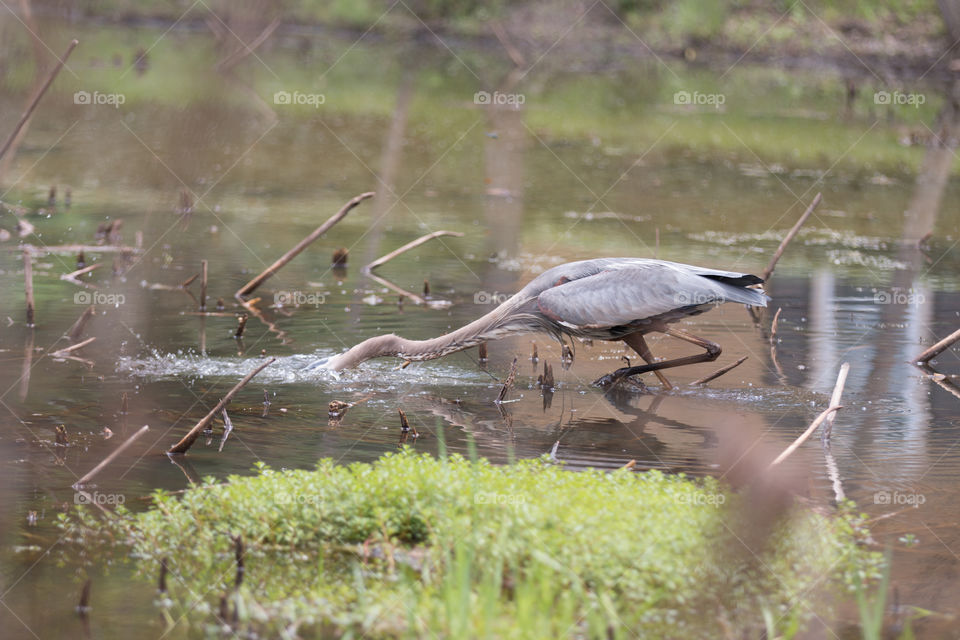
248,288
187,441
28,286
203,285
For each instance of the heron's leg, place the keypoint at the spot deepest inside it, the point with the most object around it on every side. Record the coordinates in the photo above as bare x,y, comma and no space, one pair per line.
712,352
636,342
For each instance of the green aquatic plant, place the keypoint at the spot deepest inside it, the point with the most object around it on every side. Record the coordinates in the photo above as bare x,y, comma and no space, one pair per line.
413,546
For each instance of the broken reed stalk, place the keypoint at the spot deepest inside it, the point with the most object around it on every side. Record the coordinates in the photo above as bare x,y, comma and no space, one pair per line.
189,281
241,325
340,257
74,275
74,347
227,428
162,580
84,605
482,352
203,285
407,247
187,441
28,285
404,424
534,357
239,550
783,244
547,380
827,430
629,465
835,398
426,288
248,288
36,98
938,348
110,458
509,382
773,327
719,372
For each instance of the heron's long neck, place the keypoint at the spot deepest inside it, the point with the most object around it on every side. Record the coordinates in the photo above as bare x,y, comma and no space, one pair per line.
485,328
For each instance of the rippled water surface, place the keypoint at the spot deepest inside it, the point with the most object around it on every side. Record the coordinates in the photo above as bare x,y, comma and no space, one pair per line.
528,189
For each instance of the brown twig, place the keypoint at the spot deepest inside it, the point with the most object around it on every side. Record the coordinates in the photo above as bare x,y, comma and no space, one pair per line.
719,372
28,285
482,352
248,288
534,357
189,281
407,247
783,244
36,98
110,458
938,348
187,441
74,332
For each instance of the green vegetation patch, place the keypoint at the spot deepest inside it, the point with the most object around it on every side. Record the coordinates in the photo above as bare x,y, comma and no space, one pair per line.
417,546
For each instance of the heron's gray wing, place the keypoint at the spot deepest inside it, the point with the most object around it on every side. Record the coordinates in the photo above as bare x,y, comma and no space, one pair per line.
629,294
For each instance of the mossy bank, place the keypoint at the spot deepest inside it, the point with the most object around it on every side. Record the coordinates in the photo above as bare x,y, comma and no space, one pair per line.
417,546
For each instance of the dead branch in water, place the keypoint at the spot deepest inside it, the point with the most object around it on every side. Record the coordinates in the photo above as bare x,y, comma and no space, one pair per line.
719,372
508,384
835,398
938,348
248,288
482,352
36,98
74,332
773,327
28,286
74,276
827,430
227,428
407,247
78,248
783,245
110,458
187,441
60,353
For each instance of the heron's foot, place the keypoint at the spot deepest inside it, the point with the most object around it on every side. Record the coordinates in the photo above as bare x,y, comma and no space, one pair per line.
621,378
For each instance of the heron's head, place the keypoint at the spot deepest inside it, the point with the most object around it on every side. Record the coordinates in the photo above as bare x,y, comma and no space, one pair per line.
328,365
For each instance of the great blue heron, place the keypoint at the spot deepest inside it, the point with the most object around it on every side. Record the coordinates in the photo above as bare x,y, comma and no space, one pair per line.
602,299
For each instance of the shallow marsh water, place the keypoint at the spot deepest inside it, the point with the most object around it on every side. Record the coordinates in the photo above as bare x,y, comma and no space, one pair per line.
591,166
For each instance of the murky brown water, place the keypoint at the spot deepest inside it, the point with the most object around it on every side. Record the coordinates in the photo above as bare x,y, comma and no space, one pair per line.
527,197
